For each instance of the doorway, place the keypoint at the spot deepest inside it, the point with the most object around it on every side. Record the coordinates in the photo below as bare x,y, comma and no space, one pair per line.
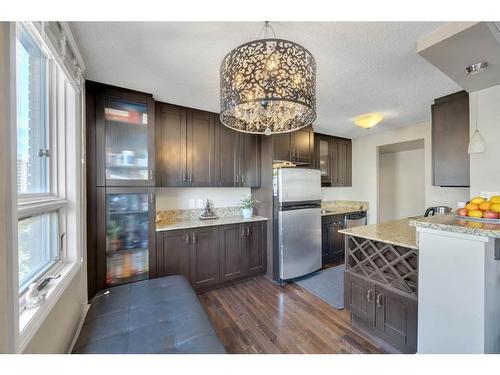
401,180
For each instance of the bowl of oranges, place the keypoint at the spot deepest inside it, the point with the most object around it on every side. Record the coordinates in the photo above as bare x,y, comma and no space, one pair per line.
482,209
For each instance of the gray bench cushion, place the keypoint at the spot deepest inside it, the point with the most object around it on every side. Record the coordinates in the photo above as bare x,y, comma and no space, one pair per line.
153,316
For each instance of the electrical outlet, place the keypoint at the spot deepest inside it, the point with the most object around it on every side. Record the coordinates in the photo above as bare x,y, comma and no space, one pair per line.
191,203
200,203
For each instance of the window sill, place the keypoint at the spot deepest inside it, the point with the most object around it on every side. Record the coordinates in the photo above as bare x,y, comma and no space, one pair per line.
30,320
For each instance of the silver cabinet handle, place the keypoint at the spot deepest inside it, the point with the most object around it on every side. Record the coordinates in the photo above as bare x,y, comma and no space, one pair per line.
369,295
193,237
190,177
243,178
187,238
151,174
248,230
184,177
242,231
237,178
379,300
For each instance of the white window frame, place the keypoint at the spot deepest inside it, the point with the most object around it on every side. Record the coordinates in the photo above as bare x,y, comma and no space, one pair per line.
66,195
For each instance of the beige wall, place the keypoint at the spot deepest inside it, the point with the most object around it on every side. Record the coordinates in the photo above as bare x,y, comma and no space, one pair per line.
178,198
401,184
485,168
365,170
57,331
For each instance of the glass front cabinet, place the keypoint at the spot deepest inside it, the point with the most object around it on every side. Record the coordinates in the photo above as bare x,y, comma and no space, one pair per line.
125,138
126,236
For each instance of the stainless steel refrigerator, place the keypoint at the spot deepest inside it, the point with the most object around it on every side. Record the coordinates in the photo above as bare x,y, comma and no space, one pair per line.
297,222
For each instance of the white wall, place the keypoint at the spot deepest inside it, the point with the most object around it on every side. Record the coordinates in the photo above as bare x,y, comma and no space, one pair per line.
179,198
365,170
485,168
401,184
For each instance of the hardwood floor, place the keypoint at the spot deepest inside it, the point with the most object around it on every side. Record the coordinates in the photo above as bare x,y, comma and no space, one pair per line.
258,316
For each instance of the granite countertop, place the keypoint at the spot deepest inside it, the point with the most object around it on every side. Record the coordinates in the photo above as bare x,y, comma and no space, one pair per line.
451,223
196,223
339,211
341,207
397,232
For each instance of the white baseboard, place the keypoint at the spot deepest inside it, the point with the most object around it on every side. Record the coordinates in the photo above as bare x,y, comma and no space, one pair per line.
79,328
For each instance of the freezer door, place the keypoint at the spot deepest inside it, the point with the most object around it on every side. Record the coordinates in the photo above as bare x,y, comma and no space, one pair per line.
299,185
299,242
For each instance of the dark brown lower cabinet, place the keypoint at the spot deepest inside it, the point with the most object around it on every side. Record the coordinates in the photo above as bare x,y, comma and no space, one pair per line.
212,256
332,241
387,315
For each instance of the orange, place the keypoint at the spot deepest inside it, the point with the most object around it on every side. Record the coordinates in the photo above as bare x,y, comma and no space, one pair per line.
495,207
495,199
485,206
476,213
472,206
477,200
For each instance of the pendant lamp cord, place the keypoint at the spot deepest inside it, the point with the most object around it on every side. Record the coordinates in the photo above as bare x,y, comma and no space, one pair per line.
266,29
476,108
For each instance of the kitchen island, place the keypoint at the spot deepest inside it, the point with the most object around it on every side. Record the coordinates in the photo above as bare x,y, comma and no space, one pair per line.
381,278
458,285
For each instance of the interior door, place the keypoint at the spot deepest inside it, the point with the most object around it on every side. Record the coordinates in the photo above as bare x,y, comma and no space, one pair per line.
200,149
171,144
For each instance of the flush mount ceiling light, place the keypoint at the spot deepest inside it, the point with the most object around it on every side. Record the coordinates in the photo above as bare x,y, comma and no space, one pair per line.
368,120
476,68
476,142
268,86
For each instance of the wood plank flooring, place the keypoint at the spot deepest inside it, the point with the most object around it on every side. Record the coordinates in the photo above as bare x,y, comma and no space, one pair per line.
258,316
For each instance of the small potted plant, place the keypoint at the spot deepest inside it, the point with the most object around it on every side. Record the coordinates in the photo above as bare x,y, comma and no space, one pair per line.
246,205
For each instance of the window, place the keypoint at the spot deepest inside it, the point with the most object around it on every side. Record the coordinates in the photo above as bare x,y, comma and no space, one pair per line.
41,91
32,126
38,244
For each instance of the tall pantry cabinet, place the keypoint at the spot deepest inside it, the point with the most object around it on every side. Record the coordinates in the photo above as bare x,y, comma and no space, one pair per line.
120,180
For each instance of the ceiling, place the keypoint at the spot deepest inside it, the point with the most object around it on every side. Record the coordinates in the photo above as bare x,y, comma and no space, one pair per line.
361,66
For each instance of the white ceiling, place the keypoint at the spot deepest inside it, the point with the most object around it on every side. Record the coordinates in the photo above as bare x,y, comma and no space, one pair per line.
361,66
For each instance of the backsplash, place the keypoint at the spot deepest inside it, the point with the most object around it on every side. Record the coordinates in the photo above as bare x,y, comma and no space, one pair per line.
174,216
356,205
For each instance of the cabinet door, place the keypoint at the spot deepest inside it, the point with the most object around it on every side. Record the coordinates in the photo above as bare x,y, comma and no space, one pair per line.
361,299
171,144
302,145
342,162
323,159
281,146
337,240
396,319
326,241
255,246
125,138
232,259
450,138
226,156
204,257
172,253
249,160
200,149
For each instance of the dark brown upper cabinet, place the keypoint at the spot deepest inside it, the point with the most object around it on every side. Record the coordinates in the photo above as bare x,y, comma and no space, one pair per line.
450,139
333,157
237,158
296,147
124,137
185,146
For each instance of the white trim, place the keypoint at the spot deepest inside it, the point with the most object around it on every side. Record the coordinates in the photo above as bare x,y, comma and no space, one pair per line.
72,44
26,209
86,308
31,320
